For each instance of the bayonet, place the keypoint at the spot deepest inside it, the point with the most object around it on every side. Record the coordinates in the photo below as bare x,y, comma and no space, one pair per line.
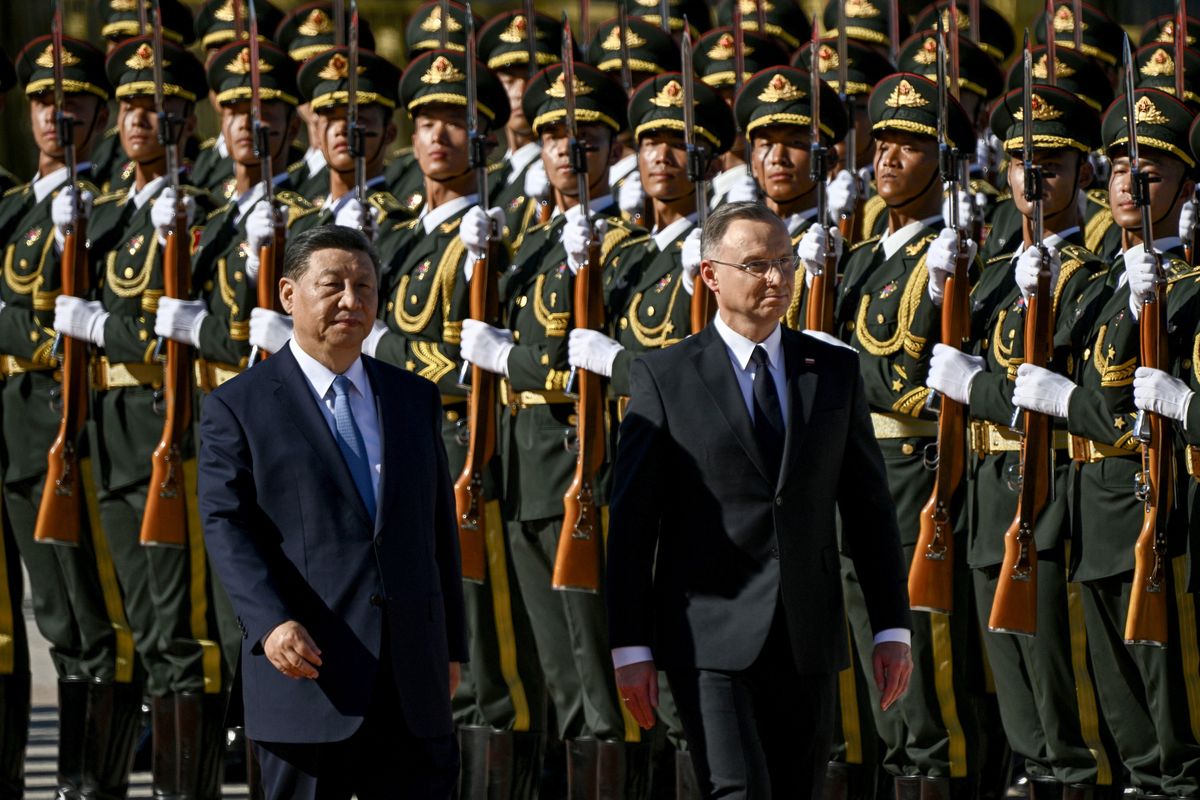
354,126
239,21
339,23
143,19
623,33
973,19
1180,51
444,30
760,13
697,158
1051,46
664,15
816,150
843,73
894,32
531,37
955,86
585,22
1077,33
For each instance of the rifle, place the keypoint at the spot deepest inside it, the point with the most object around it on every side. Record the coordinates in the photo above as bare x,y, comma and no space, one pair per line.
1077,33
702,308
165,519
931,576
1147,619
1181,38
1051,46
664,15
444,31
819,313
61,512
544,209
894,31
358,133
1014,608
623,31
481,400
270,255
339,22
577,562
848,223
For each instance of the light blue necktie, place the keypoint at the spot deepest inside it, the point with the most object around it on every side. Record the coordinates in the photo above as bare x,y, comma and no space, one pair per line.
350,442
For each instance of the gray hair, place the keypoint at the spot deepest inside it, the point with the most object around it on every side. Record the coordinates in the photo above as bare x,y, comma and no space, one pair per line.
325,237
725,215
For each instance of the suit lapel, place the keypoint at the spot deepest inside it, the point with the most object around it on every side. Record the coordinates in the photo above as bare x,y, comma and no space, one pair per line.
294,393
801,389
716,370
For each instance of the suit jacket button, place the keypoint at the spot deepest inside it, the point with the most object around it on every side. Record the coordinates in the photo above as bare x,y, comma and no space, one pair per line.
376,601
779,501
378,539
775,553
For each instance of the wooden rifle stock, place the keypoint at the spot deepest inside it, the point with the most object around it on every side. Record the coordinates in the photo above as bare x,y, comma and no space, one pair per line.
61,511
1146,622
270,269
703,308
818,313
164,521
931,575
481,423
1014,607
577,562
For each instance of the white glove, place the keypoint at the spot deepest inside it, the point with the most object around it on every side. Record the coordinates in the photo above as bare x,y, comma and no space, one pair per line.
1142,274
966,205
536,183
353,215
691,260
1187,219
371,343
474,229
180,320
162,213
260,230
486,347
1038,389
62,209
80,319
951,372
942,260
593,351
1029,264
814,248
744,190
575,237
1160,393
269,330
987,150
840,193
631,197
829,338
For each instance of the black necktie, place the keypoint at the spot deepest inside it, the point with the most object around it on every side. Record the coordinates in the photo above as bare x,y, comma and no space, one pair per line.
768,413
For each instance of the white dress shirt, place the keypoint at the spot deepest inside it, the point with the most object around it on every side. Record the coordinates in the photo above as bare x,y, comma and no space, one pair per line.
740,350
362,405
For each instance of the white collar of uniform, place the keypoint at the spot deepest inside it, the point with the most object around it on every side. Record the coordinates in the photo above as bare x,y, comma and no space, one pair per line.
430,219
1053,239
793,221
221,148
320,377
621,169
148,191
742,348
521,158
315,160
330,204
247,200
725,179
46,184
662,239
595,205
894,241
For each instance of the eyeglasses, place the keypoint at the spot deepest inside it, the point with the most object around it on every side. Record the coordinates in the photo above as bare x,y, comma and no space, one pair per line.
784,266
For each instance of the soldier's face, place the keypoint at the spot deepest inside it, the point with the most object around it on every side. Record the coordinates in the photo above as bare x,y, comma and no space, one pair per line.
333,136
905,166
440,141
781,162
1169,188
662,161
137,125
556,156
238,128
89,111
1063,172
763,299
333,303
514,87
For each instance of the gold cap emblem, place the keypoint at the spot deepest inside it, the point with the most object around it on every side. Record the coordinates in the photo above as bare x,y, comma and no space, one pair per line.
442,70
612,42
318,23
1064,21
1167,34
780,90
670,96
338,68
558,89
433,22
905,96
241,64
1042,111
515,32
1159,64
827,59
1146,112
861,9
225,12
143,58
927,53
46,59
1042,71
964,19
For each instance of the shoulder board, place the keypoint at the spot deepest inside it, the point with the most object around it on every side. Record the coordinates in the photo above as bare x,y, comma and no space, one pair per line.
916,247
1078,252
15,190
1098,196
119,194
1177,269
1004,196
999,258
495,167
451,226
864,243
293,199
90,187
983,187
209,143
294,168
385,201
219,211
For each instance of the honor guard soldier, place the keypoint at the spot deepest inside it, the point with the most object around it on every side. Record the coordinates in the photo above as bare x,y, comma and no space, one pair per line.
217,23
713,58
1161,30
1155,64
785,20
1146,691
868,22
76,598
696,12
306,32
995,36
774,110
536,299
888,308
225,261
1100,36
1044,686
504,47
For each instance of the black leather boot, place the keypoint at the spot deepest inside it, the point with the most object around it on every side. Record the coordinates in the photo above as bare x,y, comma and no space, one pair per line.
935,788
72,723
907,787
164,767
189,738
214,737
500,764
837,781
1088,791
638,770
687,785
582,769
1045,789
113,724
473,757
528,751
14,721
611,768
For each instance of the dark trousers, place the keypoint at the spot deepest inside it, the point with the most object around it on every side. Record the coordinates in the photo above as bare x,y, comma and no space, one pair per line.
382,760
763,732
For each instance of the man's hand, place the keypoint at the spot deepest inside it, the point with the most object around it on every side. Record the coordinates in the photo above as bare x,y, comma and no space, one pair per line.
292,651
893,667
455,676
638,685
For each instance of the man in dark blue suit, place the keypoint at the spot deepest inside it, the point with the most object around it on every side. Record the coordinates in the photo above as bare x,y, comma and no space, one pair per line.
331,524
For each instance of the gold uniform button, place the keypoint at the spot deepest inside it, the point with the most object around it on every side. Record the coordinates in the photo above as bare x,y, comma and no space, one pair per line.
208,286
1087,354
24,263
624,323
237,275
906,448
1187,363
142,336
521,301
33,336
516,336
452,416
391,305
650,311
573,420
879,318
413,300
129,272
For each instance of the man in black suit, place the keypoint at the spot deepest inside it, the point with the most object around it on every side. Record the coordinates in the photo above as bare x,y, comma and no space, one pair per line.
740,447
331,524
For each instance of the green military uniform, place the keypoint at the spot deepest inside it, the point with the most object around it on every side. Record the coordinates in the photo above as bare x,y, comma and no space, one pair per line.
884,311
76,600
1149,689
1044,685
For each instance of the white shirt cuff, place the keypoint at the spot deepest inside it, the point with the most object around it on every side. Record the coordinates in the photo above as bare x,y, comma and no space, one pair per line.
902,635
624,656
